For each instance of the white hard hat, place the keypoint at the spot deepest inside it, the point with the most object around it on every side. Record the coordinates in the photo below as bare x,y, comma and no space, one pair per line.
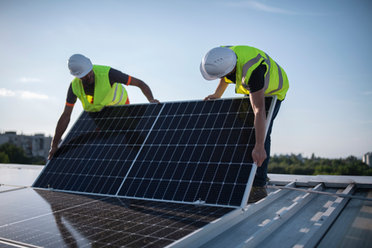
79,65
217,63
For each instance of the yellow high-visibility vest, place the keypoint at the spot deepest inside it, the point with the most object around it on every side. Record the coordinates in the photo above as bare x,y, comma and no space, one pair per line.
248,59
104,93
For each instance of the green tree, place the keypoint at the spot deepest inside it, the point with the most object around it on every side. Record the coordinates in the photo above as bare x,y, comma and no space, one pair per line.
295,164
15,153
4,157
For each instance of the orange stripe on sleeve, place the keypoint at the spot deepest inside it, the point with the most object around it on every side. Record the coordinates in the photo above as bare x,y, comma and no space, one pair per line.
129,80
70,104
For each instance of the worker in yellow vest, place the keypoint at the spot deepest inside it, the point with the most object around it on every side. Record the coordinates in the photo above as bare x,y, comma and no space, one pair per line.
96,86
256,74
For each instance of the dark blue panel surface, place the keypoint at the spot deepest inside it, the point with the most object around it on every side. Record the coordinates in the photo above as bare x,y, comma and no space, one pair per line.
42,218
99,150
178,151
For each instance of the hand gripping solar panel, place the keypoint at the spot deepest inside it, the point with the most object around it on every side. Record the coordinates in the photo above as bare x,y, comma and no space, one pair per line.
187,152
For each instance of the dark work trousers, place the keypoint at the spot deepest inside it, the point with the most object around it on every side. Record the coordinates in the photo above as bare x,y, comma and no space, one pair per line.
261,174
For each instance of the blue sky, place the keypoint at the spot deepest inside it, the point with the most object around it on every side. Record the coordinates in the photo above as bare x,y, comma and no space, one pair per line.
324,46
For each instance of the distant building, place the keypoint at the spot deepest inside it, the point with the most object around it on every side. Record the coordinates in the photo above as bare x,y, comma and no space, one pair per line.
33,145
367,158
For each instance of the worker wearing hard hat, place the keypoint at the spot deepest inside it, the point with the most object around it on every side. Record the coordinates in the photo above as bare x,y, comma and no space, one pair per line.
255,73
96,86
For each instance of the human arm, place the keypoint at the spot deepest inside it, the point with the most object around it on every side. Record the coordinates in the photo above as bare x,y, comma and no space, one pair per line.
257,100
116,76
62,124
144,88
219,90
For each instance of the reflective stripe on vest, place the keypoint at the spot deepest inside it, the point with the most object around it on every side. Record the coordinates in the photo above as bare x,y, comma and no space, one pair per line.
116,89
121,96
255,60
249,64
267,78
246,67
280,85
123,93
249,58
104,93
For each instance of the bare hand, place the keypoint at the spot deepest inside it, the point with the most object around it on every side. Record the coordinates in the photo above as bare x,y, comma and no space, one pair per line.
211,97
51,152
154,101
259,155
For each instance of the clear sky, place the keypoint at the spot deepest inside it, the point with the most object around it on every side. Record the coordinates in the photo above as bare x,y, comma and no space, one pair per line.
324,46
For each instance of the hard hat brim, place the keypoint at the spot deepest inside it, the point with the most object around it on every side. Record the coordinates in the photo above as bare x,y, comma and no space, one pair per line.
209,77
205,75
217,63
83,74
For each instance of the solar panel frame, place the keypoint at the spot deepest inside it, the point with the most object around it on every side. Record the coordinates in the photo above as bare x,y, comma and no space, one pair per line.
155,131
254,167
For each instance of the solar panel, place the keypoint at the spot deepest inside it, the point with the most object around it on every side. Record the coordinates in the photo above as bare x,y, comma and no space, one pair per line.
42,218
186,152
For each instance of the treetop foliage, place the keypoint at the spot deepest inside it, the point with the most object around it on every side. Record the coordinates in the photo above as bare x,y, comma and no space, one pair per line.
296,164
10,153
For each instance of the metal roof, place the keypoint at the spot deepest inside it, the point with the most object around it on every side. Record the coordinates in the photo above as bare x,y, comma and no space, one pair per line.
293,216
300,211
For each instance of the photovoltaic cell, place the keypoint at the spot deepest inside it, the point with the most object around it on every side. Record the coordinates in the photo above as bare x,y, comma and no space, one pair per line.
45,218
99,150
196,151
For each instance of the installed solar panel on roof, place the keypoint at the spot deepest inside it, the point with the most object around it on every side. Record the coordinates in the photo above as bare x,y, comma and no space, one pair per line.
30,218
197,151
